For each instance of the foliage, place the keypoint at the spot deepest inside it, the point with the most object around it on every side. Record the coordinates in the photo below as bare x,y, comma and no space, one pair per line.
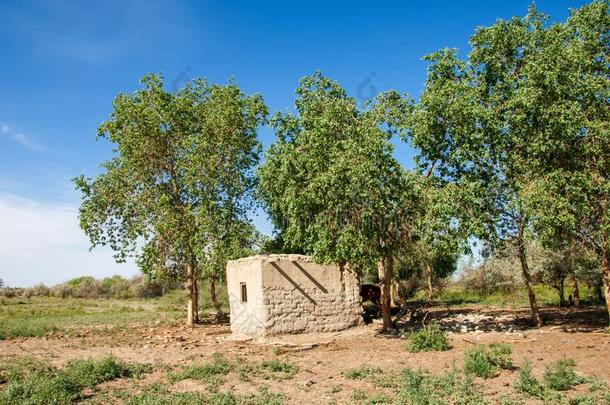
31,381
156,394
430,338
179,179
330,183
485,361
420,388
561,376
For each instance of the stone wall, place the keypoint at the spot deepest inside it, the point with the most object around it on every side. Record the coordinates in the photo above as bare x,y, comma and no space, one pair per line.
298,296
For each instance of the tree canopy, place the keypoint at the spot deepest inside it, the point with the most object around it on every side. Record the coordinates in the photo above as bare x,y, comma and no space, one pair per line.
179,180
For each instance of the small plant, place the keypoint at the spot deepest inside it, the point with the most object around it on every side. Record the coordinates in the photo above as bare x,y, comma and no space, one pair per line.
358,395
362,372
485,361
89,373
561,376
334,389
280,369
430,338
527,384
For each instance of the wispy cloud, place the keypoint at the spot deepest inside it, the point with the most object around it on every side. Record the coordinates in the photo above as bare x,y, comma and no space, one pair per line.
43,243
20,138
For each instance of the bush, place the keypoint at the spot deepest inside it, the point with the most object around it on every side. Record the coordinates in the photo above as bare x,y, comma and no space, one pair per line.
430,338
116,287
527,384
39,290
561,376
484,361
89,373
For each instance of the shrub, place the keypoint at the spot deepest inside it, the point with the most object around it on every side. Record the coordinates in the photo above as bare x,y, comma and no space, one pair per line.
430,338
39,290
526,383
484,361
561,376
116,287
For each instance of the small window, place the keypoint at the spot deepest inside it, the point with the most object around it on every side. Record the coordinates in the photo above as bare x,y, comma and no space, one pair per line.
244,292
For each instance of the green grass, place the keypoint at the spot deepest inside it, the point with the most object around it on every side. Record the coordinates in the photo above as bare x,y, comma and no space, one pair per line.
212,372
419,388
39,316
157,394
486,361
430,338
31,381
361,372
455,295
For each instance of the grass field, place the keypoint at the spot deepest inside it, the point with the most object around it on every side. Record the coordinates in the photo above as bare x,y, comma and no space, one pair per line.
137,351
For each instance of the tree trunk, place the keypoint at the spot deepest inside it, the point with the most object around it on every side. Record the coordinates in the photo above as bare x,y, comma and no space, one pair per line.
385,268
562,295
575,293
190,295
214,298
535,315
429,276
605,264
196,299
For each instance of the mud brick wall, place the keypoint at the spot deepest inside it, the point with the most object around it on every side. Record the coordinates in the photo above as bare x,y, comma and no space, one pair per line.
297,295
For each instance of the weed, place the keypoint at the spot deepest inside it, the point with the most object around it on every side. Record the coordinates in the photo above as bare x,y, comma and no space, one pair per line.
334,389
484,361
527,384
430,338
561,376
362,372
278,370
419,387
209,372
31,381
88,373
358,395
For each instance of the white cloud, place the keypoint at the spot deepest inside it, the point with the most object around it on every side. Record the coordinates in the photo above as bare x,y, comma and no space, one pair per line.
43,243
18,137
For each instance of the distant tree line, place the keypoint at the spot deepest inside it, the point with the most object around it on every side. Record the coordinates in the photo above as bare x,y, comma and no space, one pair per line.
115,287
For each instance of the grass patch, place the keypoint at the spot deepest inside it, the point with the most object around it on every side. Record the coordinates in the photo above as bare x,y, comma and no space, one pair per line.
212,372
157,394
560,376
209,372
362,372
430,338
419,387
32,381
485,361
279,369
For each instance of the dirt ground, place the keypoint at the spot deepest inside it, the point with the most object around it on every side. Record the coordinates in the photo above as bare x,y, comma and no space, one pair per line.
321,359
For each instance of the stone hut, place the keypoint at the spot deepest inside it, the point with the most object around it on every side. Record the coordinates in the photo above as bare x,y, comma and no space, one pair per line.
284,294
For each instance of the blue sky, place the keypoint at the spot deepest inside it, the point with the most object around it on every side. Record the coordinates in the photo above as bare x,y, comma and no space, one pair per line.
63,62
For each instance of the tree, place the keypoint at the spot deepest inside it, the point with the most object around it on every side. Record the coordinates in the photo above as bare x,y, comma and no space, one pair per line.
483,121
565,91
331,185
181,160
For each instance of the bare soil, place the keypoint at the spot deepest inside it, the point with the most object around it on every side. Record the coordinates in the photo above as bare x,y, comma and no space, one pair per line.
322,359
